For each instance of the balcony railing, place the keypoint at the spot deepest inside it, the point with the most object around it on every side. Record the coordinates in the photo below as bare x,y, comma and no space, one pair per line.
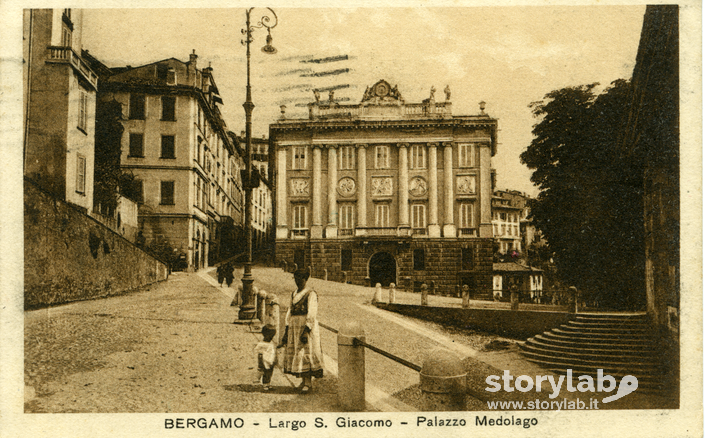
59,54
299,233
346,232
418,231
394,111
467,232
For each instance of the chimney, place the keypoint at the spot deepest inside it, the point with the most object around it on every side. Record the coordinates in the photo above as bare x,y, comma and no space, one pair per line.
191,68
192,58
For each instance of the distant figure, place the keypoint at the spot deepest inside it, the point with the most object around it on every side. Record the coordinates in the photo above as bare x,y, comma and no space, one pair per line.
447,92
221,274
317,95
331,95
229,273
139,240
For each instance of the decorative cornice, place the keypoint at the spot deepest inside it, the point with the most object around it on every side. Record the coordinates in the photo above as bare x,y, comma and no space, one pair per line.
402,145
432,144
361,146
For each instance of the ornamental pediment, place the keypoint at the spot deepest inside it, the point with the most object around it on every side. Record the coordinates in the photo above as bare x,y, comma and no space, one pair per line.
382,93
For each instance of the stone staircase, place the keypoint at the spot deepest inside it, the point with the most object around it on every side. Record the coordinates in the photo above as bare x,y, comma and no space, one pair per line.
618,343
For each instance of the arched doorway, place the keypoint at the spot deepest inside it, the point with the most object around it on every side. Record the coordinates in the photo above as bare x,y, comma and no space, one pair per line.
383,269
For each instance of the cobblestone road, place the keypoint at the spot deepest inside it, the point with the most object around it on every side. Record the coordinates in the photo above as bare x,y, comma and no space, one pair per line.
172,347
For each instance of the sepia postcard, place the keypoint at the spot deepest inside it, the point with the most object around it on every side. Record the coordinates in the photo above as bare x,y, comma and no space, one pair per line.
351,218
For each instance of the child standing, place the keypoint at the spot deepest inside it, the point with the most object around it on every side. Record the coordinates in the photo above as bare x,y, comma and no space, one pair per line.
266,353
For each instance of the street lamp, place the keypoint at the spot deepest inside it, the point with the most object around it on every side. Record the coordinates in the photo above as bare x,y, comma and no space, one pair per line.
247,310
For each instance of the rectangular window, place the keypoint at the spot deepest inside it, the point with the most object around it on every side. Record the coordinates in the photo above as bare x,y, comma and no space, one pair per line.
465,155
300,216
419,259
418,216
169,108
299,158
418,157
346,216
382,157
347,158
168,146
138,190
167,192
466,216
137,106
171,76
81,174
346,259
468,259
136,145
65,37
382,215
83,111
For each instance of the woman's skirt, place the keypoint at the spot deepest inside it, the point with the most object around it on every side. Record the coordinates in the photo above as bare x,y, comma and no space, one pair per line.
303,360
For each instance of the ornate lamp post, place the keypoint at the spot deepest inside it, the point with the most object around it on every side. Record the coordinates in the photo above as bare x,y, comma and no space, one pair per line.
247,310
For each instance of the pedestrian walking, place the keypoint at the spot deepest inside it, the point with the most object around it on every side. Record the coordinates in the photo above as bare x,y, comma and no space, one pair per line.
303,357
266,355
221,274
229,273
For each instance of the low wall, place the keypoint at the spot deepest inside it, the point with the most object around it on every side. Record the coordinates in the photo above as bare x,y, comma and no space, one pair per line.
518,324
69,256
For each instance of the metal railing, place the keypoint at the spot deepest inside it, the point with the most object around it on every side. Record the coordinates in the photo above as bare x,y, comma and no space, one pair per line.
359,342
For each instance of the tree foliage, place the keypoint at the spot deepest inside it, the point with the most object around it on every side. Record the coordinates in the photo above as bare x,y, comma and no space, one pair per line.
109,178
590,204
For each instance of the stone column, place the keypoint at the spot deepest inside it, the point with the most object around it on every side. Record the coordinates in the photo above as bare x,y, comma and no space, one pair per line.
434,229
362,185
282,194
485,191
448,220
403,185
316,225
332,227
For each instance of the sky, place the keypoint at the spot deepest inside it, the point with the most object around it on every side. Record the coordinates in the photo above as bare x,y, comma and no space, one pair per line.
505,56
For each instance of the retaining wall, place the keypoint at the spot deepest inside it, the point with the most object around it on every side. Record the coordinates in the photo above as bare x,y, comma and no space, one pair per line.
518,324
69,256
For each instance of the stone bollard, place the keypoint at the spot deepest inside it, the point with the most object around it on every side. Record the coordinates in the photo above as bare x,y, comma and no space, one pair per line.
392,293
514,296
262,308
424,294
378,293
573,292
345,277
443,382
457,290
237,297
466,296
286,266
325,274
433,287
351,367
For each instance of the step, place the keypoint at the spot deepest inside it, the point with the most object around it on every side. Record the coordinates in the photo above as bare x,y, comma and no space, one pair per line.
596,335
620,325
554,339
604,352
611,320
588,355
604,329
616,366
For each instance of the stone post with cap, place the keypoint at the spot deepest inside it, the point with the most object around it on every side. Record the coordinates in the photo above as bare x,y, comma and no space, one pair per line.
424,294
351,367
378,293
392,293
443,382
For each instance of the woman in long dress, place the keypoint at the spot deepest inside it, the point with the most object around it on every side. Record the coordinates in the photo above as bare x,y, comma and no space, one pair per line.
303,357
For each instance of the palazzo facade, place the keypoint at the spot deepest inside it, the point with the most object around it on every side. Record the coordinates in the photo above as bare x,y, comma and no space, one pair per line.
387,192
